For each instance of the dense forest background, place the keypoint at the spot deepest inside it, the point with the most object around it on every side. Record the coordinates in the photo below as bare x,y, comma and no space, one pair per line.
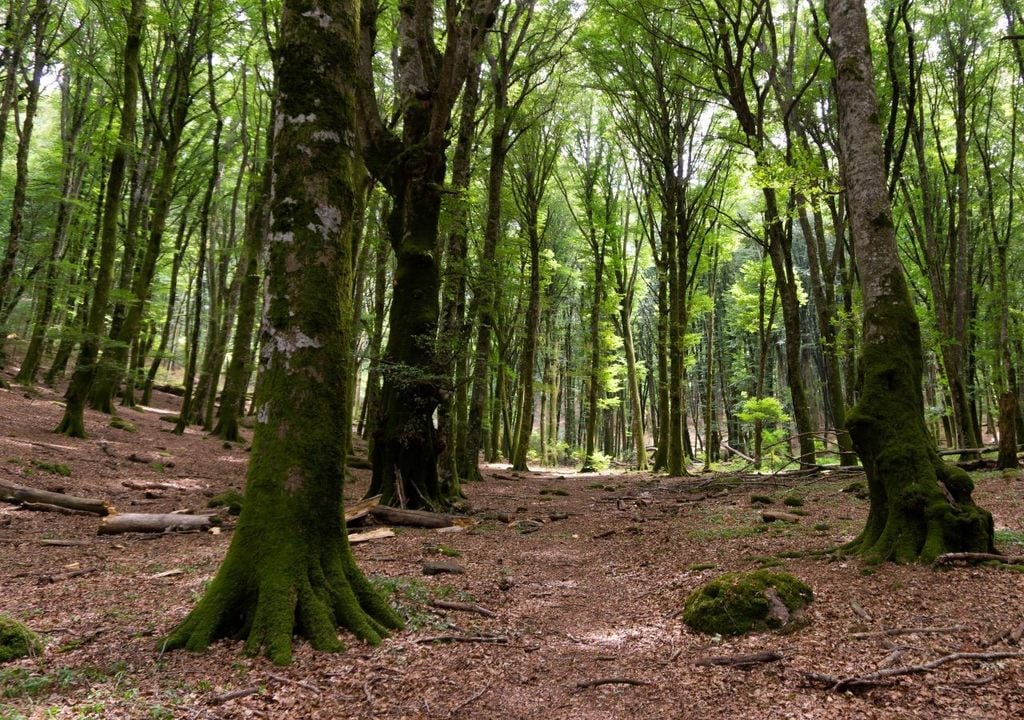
642,252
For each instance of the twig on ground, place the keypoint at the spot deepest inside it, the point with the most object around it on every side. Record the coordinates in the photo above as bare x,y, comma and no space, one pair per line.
495,639
462,606
471,698
298,683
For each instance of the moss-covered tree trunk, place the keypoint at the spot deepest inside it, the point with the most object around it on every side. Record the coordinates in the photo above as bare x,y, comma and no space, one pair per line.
289,570
411,167
920,507
405,447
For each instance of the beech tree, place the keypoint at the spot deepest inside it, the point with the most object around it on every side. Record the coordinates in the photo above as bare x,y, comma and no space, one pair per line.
289,570
411,165
920,507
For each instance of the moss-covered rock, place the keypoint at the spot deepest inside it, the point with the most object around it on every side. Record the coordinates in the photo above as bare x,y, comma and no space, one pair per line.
741,602
16,640
230,499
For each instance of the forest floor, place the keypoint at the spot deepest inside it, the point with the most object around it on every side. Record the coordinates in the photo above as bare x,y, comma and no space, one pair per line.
586,576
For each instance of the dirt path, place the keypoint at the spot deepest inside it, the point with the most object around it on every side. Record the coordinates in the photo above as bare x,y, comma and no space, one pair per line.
590,590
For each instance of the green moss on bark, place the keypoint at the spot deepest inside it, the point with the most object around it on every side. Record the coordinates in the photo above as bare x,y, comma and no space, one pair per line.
737,603
920,507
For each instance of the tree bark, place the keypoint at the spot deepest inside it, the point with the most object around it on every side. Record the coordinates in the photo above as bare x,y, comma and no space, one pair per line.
920,507
289,569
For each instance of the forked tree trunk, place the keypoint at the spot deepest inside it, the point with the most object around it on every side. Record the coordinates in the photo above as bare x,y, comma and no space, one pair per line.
289,570
920,507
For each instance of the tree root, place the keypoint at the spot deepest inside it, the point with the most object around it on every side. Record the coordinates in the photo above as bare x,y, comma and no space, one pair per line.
268,605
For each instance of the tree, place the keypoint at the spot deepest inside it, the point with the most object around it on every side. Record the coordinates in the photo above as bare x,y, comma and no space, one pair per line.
289,569
920,507
73,422
411,164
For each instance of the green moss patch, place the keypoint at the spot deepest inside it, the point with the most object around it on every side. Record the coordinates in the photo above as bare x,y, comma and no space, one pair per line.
741,602
230,499
55,468
793,501
122,424
16,640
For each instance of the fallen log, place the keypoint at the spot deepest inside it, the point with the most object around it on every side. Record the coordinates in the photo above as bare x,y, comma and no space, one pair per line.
773,515
747,660
152,523
10,492
411,518
50,507
361,509
965,451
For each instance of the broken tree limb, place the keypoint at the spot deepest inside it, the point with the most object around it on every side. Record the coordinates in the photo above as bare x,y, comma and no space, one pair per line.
837,684
361,509
587,684
152,523
746,660
742,455
233,695
377,534
861,612
908,631
976,557
146,485
13,493
411,518
462,606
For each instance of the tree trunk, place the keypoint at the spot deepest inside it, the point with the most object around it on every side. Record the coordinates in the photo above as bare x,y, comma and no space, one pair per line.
453,334
920,507
40,20
74,106
236,379
1008,432
289,569
113,364
187,409
73,422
